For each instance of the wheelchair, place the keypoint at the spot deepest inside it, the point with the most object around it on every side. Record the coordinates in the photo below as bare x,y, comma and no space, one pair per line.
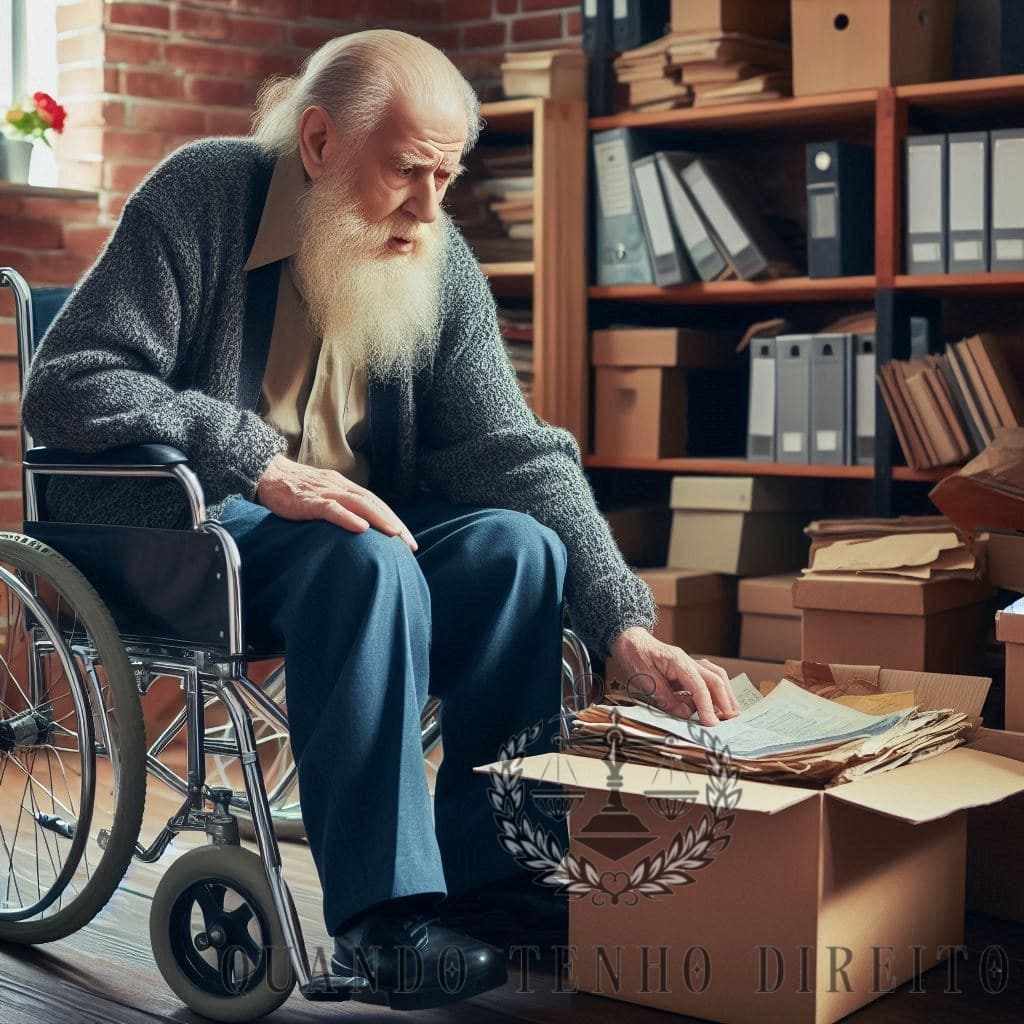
93,618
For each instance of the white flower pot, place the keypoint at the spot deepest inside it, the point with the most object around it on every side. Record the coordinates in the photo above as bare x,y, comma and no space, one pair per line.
15,157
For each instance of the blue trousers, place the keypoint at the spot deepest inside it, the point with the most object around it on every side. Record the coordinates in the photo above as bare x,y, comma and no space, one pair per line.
370,629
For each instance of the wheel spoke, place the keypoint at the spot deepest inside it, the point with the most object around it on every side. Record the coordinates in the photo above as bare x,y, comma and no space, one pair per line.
210,897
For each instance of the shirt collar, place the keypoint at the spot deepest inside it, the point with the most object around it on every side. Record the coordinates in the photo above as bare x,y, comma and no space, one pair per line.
276,237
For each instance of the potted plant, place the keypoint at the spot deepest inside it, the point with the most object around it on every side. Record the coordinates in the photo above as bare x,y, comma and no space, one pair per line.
24,125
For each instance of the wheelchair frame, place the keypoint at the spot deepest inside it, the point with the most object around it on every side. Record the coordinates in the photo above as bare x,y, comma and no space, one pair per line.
205,676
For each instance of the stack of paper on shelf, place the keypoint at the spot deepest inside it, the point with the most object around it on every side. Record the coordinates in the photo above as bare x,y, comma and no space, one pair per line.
553,74
517,332
946,408
790,735
922,556
494,209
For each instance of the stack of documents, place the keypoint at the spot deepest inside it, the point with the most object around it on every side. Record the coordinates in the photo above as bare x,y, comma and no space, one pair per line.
791,735
922,556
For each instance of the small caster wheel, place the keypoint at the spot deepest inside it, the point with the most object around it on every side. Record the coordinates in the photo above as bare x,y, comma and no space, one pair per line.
216,935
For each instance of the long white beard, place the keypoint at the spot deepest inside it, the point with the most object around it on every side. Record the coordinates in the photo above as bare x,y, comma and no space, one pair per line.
378,310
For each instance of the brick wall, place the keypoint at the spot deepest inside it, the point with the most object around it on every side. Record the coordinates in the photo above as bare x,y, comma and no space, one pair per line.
141,78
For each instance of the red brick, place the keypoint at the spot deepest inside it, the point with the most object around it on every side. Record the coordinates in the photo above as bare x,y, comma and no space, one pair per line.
152,85
466,10
200,24
333,10
574,23
149,16
256,31
227,122
10,444
10,474
123,48
62,266
545,5
507,6
95,112
125,175
262,65
115,204
159,117
72,17
10,206
446,39
311,37
9,383
487,33
543,26
80,174
69,211
223,92
80,47
8,338
206,60
132,144
86,239
27,233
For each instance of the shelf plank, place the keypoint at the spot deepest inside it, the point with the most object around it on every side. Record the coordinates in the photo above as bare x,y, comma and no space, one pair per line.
521,268
787,289
1000,283
509,115
964,96
803,111
741,467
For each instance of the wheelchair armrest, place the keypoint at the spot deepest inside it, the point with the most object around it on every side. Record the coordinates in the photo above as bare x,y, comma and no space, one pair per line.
126,461
130,456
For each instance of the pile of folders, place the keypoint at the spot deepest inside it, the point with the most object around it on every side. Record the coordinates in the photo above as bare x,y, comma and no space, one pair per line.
947,408
694,217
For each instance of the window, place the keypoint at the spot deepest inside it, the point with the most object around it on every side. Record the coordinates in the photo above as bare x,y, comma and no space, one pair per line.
28,64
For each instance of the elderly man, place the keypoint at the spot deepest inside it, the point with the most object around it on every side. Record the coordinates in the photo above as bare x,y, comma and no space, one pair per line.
295,312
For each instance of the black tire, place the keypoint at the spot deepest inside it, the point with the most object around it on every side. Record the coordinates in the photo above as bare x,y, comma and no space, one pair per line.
199,983
30,556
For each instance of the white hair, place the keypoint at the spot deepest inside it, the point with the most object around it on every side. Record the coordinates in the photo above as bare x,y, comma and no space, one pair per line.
355,78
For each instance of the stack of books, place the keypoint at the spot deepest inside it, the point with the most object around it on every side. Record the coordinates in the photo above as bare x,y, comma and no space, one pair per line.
701,69
947,408
517,332
495,210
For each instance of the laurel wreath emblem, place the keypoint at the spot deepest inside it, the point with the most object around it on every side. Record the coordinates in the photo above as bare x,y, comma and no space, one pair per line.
536,848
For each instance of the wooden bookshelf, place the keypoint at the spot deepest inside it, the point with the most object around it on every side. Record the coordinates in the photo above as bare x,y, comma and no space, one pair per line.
786,289
1008,283
556,276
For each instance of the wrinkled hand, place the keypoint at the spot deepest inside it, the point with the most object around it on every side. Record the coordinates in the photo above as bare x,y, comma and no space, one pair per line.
672,681
294,491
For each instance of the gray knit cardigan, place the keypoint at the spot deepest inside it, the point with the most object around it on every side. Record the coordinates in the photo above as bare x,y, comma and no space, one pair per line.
165,341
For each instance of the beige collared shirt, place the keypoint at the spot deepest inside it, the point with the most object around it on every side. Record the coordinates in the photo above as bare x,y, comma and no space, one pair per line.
309,394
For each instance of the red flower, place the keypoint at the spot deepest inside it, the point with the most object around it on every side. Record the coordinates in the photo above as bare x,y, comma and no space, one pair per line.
50,111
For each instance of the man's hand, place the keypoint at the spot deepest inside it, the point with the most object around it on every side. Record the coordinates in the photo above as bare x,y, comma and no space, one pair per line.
294,491
674,683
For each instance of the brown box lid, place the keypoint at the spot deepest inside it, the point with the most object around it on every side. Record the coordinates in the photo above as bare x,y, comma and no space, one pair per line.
744,493
663,346
1005,560
888,595
686,586
1009,627
768,595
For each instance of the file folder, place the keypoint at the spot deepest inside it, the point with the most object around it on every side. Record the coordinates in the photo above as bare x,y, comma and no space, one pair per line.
701,246
638,21
621,252
724,199
792,397
840,209
865,391
968,202
831,399
668,258
1007,238
597,42
926,184
761,408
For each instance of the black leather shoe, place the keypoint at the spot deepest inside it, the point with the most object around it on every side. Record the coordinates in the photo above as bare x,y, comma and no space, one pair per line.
413,962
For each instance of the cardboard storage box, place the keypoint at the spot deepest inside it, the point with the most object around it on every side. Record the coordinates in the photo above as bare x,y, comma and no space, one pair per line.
766,18
816,903
641,532
862,44
1010,631
935,625
1004,554
696,610
743,526
769,624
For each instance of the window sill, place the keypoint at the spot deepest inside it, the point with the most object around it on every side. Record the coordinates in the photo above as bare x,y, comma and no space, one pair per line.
9,188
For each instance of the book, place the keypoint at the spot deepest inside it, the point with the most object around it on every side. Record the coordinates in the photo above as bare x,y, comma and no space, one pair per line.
998,378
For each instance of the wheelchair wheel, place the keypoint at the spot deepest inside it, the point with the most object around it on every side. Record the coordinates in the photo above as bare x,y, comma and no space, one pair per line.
72,747
216,935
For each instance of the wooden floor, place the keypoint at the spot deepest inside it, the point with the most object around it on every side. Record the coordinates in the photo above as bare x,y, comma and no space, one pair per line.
105,973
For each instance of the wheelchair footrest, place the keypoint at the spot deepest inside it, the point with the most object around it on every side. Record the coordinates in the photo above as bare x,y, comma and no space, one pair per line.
325,988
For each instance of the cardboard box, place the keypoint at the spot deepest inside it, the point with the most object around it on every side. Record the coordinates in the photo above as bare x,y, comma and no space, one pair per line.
769,623
1010,631
864,888
863,44
696,610
935,625
745,494
766,18
756,671
641,532
1005,556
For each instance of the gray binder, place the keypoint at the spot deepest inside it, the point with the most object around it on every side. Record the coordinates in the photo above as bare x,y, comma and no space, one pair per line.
730,209
622,256
761,409
926,180
701,246
668,256
864,393
831,399
792,397
1007,238
968,202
